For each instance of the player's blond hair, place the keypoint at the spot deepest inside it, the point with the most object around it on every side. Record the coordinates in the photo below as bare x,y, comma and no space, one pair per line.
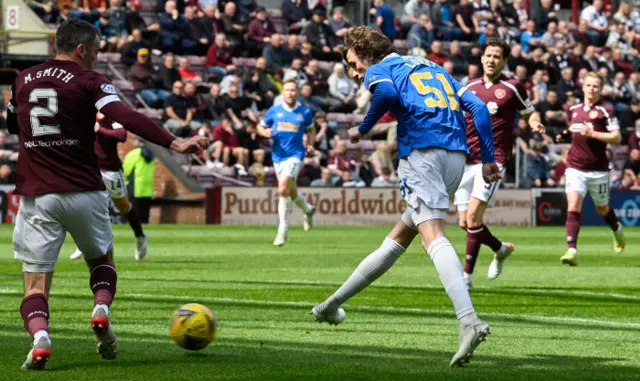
290,80
367,43
596,75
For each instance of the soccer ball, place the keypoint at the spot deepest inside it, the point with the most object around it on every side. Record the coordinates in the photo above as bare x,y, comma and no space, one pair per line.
193,326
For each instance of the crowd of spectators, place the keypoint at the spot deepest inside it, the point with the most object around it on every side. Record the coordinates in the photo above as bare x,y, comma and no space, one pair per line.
550,56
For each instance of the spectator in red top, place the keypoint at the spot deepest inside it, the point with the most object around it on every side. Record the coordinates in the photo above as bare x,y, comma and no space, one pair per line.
338,162
226,144
437,54
186,74
219,58
259,32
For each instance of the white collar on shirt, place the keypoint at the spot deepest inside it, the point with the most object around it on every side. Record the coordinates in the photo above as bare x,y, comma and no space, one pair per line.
284,106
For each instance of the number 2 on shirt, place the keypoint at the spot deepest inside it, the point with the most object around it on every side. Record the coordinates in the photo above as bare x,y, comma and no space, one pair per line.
438,99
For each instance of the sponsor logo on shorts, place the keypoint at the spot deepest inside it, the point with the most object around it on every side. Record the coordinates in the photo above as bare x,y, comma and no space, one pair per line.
51,143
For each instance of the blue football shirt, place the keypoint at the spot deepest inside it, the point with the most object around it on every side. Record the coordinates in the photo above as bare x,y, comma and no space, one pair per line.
428,107
289,127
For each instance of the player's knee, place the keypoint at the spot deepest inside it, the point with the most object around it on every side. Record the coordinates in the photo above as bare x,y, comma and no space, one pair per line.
602,210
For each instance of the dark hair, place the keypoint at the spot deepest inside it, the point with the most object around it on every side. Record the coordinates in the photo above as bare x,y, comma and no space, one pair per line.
73,32
367,43
506,49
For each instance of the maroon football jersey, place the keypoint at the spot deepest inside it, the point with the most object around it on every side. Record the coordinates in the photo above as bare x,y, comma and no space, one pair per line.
109,135
505,98
587,154
56,105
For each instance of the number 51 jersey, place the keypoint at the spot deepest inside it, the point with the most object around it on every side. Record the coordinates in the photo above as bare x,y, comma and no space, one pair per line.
428,108
56,105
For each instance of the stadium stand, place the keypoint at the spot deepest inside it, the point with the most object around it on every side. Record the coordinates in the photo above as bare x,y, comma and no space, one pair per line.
544,38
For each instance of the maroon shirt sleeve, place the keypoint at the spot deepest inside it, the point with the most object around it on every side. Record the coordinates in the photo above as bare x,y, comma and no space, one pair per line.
524,104
119,134
138,124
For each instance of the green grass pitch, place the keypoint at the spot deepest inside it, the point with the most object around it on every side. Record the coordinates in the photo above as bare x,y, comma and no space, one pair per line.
548,322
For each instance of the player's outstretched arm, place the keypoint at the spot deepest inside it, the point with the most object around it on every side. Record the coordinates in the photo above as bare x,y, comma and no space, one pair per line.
147,129
384,96
119,134
609,137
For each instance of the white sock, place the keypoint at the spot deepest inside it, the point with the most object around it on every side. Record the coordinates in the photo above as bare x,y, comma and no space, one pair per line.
370,269
572,250
40,334
95,308
503,249
467,276
301,202
449,269
619,228
283,212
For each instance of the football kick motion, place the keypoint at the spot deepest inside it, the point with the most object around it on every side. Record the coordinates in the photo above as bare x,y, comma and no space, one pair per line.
287,124
593,126
505,98
432,148
109,134
53,109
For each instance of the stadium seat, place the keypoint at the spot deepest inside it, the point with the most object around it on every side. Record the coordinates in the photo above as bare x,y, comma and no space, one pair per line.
326,65
196,61
109,57
151,113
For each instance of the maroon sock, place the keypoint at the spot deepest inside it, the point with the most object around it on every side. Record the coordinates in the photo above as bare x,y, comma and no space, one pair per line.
574,219
35,313
487,238
611,220
134,222
473,249
103,283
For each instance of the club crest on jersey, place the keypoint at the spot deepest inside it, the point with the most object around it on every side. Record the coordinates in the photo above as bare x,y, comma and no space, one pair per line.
299,117
493,107
500,93
280,114
593,114
108,88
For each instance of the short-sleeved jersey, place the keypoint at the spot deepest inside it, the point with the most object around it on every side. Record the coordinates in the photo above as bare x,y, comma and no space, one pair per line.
506,99
106,147
587,154
56,105
428,108
289,126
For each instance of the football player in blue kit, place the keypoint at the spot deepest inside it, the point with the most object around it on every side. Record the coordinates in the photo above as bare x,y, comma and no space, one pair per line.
432,148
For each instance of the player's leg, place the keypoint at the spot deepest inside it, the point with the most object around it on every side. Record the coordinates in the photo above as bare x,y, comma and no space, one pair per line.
142,243
483,196
429,178
370,269
37,238
89,224
299,199
461,201
598,186
116,186
576,189
283,172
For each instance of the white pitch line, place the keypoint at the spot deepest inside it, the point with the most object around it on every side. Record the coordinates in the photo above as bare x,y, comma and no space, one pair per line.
257,302
556,291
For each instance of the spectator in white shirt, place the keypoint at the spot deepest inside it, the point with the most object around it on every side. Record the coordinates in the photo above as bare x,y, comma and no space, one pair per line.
597,21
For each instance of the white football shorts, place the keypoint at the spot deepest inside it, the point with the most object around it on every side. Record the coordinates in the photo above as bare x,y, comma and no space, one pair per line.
43,222
288,168
114,181
473,185
428,178
595,182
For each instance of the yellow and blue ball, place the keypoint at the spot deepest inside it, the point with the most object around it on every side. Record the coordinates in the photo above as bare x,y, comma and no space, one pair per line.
193,326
